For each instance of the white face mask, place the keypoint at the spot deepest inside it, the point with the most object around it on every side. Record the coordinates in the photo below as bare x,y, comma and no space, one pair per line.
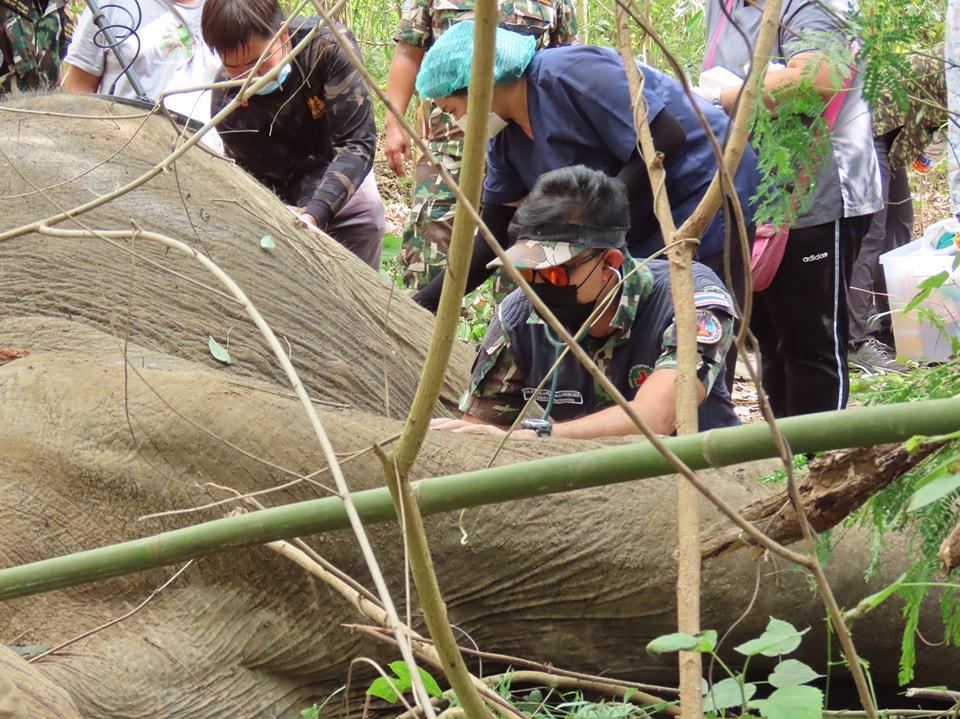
495,125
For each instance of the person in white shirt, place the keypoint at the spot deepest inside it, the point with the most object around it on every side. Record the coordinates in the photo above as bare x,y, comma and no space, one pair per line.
163,44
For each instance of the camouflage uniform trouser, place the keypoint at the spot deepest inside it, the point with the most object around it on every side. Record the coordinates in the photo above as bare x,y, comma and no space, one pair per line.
30,50
426,236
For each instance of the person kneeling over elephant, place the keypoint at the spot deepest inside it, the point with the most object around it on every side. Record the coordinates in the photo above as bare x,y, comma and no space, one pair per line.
309,134
569,243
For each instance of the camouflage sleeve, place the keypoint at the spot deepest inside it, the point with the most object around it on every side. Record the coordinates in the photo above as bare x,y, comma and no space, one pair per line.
715,321
66,28
567,28
496,388
416,24
353,134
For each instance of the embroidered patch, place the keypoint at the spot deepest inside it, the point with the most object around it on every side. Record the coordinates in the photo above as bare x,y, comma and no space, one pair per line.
639,374
563,396
712,296
317,107
709,329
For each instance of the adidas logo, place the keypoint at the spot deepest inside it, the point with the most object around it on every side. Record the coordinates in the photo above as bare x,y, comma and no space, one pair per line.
818,256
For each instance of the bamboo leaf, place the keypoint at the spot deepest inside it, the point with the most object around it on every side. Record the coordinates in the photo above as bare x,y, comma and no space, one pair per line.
219,352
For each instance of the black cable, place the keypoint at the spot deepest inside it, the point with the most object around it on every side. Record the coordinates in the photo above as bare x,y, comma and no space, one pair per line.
106,39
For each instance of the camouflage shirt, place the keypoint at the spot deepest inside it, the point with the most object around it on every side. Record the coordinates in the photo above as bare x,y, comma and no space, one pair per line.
517,352
926,113
33,39
312,141
552,22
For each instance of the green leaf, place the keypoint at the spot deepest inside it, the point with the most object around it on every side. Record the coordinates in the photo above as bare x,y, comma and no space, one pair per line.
917,299
381,688
310,712
399,668
706,641
780,637
28,650
791,673
429,683
932,283
391,248
268,243
673,643
937,488
800,702
727,694
218,351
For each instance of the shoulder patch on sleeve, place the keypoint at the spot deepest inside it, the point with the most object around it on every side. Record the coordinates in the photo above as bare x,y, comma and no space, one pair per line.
709,328
713,296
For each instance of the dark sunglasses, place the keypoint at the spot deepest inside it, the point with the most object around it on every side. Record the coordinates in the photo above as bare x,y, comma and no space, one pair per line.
558,275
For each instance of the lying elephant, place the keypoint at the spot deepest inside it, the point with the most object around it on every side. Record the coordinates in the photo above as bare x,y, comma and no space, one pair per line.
119,412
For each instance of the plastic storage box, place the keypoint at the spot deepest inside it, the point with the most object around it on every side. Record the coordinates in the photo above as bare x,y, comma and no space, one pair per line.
906,267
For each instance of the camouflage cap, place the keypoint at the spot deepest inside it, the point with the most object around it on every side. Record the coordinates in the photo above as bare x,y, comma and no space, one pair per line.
552,245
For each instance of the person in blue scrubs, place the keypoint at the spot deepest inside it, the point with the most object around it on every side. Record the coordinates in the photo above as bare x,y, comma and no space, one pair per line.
571,106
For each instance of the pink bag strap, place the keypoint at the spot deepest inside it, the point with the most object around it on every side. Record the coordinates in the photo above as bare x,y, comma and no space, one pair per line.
712,48
832,111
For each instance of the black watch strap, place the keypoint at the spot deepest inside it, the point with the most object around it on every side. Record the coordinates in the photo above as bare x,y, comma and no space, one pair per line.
543,427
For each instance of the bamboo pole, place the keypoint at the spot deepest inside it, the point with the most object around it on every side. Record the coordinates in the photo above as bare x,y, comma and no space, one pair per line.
397,465
681,290
565,473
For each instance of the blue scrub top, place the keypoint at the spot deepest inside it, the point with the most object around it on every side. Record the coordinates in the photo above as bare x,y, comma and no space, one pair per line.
580,113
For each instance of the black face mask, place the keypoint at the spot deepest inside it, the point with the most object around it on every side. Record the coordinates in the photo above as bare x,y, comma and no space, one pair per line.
563,302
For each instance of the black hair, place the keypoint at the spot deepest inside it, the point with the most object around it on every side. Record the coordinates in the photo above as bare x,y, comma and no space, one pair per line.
230,24
573,195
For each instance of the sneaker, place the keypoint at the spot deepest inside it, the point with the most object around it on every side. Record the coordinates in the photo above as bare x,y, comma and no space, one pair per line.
874,357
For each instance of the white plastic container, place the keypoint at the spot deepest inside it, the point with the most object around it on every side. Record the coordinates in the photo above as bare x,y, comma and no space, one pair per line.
906,267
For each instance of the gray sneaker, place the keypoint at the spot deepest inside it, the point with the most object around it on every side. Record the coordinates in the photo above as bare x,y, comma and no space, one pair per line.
874,357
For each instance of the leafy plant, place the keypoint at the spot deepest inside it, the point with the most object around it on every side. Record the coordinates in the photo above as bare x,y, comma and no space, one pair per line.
922,504
791,698
400,683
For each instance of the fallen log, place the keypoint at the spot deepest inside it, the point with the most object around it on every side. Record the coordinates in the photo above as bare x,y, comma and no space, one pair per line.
838,483
950,550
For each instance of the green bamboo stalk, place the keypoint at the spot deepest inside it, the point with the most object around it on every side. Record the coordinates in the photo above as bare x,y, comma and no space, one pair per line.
398,464
861,427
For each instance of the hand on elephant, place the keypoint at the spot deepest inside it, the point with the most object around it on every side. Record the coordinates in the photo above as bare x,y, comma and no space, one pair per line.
305,217
465,426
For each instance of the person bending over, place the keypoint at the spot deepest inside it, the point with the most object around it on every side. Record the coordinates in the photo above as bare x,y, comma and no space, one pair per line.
571,106
570,244
309,134
161,46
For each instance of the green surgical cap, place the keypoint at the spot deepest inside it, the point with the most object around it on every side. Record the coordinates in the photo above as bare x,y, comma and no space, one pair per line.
446,66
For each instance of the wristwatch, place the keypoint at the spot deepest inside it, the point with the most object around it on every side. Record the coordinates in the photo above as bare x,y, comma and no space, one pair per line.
543,427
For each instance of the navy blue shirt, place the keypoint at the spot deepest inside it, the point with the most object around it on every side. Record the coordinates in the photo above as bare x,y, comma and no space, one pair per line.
580,113
517,353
